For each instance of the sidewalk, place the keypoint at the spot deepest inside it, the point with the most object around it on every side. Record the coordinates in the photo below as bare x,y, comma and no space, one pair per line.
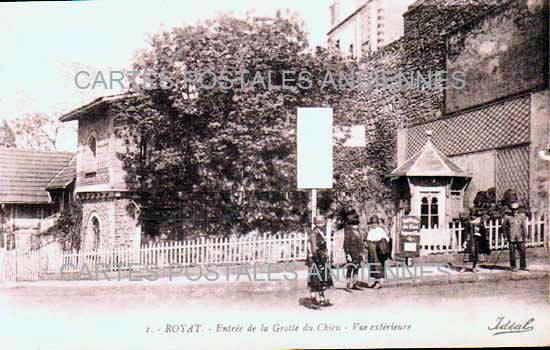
537,268
291,276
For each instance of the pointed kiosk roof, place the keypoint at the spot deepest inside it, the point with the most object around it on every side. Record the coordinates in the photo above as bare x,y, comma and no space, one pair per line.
429,161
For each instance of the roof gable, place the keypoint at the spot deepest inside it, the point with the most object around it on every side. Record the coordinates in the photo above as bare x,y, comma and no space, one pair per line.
24,174
429,161
64,177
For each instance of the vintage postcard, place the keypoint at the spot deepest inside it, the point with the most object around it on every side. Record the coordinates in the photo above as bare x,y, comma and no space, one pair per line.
251,174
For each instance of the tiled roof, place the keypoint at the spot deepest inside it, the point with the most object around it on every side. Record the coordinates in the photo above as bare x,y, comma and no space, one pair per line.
64,177
429,162
96,104
24,174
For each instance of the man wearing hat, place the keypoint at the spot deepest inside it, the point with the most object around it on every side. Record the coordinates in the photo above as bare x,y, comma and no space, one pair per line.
353,248
516,232
378,247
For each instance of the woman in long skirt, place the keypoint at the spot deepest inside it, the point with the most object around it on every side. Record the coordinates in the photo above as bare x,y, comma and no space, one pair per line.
476,240
378,250
319,276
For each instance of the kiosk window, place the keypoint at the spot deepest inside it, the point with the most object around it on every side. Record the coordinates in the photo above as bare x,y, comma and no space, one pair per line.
429,212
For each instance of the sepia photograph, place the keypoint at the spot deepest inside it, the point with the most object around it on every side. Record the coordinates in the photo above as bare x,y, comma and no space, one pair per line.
276,174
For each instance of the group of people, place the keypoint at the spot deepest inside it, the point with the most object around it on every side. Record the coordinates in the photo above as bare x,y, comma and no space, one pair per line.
372,246
476,238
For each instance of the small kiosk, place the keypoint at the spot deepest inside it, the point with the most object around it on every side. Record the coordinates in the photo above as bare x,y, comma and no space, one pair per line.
429,192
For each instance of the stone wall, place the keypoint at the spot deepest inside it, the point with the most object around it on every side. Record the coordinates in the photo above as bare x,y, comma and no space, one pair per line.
117,222
126,234
370,104
426,24
96,126
104,210
513,127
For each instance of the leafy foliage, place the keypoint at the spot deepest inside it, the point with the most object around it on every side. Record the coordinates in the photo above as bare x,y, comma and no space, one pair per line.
236,147
7,137
37,131
67,229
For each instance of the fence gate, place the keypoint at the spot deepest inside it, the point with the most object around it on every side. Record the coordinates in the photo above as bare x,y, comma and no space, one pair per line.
19,266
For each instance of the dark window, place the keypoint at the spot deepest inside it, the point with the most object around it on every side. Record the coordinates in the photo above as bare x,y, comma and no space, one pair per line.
429,212
92,145
434,213
424,213
96,233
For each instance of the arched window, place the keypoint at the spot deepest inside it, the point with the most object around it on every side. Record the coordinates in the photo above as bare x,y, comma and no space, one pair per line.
92,145
96,232
92,235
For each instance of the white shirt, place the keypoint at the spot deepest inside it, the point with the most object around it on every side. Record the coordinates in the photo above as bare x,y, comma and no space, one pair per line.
377,234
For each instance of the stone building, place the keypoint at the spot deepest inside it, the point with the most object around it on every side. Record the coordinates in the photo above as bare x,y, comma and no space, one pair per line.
358,26
109,215
35,187
498,123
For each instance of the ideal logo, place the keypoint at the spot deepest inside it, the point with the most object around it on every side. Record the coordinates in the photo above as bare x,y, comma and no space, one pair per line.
504,326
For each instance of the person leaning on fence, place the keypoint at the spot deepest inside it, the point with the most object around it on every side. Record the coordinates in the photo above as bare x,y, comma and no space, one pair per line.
319,278
378,244
515,231
353,248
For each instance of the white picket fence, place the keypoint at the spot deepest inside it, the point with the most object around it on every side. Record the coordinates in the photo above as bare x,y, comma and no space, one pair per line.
19,265
449,240
205,250
32,265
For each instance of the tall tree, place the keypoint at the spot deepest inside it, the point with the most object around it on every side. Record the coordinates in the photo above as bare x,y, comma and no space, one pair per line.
229,146
38,131
7,137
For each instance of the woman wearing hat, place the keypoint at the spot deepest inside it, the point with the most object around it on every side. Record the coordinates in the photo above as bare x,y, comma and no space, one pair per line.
353,247
378,248
319,277
475,234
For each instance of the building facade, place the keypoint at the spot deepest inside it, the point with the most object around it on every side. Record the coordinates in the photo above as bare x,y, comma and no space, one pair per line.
35,187
109,215
494,127
362,26
497,124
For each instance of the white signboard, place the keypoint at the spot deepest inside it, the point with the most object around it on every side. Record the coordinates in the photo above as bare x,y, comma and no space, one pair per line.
314,148
410,247
353,136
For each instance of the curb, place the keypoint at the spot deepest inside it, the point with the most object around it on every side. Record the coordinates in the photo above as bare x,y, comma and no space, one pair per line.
469,278
462,278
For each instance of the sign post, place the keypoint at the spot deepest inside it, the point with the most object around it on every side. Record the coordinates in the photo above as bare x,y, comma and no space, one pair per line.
314,154
409,238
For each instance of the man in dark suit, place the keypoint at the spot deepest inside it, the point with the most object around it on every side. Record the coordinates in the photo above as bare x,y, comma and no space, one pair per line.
515,230
353,247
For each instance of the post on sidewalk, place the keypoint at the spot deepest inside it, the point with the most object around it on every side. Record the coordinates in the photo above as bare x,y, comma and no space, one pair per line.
314,153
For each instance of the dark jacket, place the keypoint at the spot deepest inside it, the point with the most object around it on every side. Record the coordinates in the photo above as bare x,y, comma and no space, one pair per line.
515,229
317,244
353,243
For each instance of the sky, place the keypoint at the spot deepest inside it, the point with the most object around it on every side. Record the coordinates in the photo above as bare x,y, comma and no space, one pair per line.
44,44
